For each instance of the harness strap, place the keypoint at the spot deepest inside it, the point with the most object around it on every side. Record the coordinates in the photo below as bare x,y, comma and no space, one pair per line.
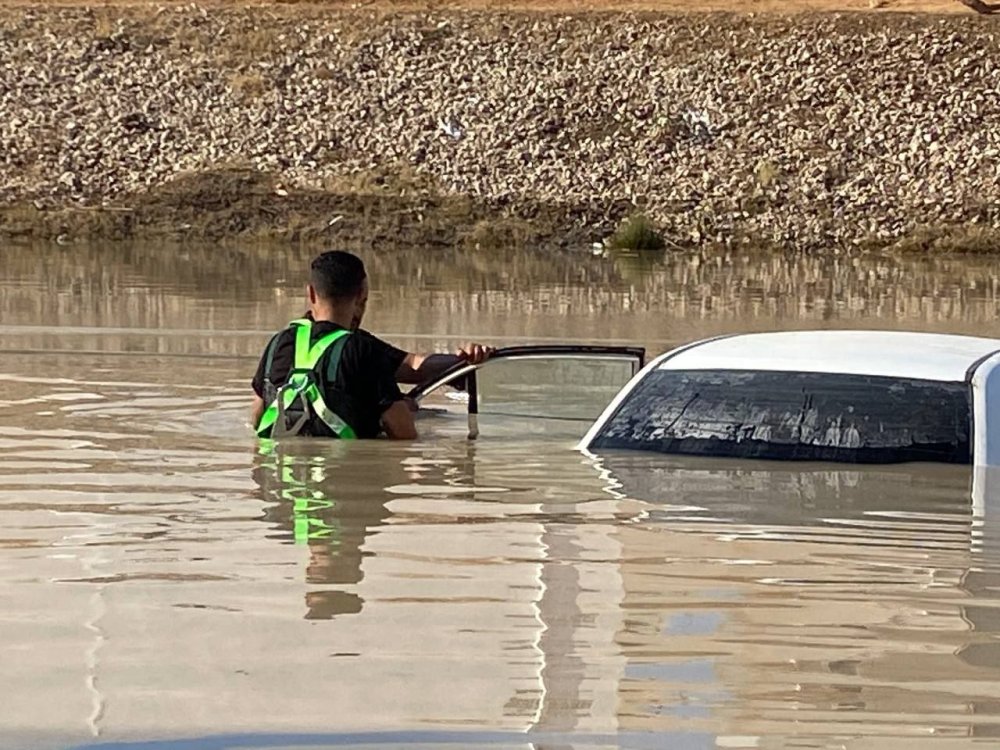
269,388
302,385
272,347
306,355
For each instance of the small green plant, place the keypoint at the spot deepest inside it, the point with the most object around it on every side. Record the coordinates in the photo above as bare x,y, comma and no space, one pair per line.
637,233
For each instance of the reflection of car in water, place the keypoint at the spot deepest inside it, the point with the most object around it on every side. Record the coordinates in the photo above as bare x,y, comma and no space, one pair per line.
769,495
825,537
847,396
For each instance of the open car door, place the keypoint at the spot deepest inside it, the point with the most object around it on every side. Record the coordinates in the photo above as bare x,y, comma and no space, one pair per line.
527,391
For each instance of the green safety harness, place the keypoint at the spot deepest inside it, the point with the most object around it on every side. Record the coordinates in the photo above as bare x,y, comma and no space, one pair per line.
302,394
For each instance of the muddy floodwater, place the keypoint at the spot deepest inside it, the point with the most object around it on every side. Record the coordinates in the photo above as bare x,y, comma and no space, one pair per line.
166,583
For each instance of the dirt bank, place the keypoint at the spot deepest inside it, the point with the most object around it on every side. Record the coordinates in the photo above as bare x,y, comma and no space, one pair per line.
372,209
373,124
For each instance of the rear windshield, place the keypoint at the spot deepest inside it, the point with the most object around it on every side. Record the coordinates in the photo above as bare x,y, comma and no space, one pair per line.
793,415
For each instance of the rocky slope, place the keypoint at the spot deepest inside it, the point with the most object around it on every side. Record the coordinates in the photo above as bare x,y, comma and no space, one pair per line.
809,131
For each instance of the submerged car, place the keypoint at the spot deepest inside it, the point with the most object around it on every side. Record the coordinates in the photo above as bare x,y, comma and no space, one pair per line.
855,396
852,396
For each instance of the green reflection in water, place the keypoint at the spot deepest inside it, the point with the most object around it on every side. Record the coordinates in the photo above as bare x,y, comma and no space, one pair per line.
318,498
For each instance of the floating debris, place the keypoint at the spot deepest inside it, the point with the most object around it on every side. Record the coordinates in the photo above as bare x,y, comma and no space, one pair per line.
450,128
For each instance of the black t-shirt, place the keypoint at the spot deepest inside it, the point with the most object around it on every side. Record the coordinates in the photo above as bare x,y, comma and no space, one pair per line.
365,383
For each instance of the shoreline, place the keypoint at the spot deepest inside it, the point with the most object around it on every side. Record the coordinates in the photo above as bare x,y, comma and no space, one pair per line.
306,123
543,7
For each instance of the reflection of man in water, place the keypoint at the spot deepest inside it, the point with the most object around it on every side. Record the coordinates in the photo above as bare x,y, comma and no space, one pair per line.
328,506
335,379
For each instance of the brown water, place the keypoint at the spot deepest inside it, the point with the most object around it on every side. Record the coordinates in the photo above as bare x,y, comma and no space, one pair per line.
165,583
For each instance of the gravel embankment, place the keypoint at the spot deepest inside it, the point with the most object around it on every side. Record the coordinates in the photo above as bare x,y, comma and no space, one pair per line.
812,131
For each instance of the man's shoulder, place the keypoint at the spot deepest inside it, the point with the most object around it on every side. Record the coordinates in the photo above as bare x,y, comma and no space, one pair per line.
380,346
366,353
364,343
364,335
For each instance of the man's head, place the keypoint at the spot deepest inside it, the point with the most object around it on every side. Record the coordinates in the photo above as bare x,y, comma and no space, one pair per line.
338,281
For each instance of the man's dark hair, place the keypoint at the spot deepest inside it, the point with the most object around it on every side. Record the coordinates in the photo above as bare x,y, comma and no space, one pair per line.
336,275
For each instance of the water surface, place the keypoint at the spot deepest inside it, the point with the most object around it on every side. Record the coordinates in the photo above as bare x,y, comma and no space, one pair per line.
166,582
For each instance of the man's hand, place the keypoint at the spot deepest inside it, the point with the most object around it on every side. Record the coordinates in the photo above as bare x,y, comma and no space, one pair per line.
420,368
475,354
398,422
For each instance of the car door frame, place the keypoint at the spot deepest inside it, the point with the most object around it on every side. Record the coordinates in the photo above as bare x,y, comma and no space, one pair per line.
536,351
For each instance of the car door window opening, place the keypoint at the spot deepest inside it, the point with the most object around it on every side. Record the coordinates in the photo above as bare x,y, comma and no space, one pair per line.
563,383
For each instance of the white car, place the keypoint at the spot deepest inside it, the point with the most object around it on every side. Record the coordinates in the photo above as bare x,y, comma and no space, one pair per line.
856,396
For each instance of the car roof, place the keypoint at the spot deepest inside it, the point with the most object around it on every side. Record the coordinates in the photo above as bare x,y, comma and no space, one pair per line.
921,356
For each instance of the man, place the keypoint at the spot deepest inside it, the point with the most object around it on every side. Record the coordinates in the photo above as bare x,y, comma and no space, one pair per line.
325,376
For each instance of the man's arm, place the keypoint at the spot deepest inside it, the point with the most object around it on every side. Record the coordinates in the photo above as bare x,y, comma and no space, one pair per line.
256,411
398,422
419,368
